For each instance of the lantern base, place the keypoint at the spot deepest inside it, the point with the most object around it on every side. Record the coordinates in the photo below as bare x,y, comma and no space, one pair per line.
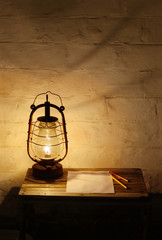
48,171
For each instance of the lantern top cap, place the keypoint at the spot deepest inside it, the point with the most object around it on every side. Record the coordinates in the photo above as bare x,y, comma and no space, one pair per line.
47,119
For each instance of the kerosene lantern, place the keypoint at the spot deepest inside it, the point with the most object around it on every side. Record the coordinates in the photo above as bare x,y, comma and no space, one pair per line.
47,143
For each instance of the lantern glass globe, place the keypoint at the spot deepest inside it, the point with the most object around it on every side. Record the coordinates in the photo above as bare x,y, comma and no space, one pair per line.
46,141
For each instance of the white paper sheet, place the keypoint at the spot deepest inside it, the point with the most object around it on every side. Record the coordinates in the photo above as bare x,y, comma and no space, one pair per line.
89,182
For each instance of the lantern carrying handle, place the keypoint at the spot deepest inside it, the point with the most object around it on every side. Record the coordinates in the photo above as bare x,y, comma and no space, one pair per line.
47,95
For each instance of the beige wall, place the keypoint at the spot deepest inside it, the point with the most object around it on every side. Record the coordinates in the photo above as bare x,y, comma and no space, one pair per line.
105,59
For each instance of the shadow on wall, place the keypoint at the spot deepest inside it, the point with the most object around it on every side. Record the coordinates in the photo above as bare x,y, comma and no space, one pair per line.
61,8
9,210
136,8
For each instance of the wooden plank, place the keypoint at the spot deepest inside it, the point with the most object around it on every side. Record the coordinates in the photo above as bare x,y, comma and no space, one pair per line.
136,186
61,192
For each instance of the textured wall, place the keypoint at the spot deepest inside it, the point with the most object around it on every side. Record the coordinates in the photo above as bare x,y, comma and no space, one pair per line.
104,59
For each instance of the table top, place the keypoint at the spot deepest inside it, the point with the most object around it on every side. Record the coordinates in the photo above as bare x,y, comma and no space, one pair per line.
51,188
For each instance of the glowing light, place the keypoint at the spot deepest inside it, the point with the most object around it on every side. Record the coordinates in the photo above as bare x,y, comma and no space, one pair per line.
47,150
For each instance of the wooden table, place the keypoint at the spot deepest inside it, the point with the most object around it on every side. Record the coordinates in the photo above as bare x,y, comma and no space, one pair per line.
54,192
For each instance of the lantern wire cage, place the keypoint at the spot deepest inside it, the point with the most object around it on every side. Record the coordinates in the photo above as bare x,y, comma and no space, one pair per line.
59,135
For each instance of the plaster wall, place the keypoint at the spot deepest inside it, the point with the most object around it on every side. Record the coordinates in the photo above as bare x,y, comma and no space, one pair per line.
104,59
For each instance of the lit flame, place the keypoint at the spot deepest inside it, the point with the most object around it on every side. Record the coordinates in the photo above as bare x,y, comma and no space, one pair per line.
47,150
